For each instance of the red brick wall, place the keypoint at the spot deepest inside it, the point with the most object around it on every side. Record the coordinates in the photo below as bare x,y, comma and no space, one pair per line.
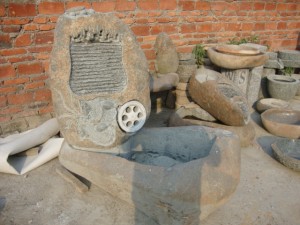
26,37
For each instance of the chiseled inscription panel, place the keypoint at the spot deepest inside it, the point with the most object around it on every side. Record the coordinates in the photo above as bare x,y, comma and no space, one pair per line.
97,68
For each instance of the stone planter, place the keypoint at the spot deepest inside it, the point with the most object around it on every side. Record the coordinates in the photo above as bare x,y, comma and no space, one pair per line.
282,87
297,77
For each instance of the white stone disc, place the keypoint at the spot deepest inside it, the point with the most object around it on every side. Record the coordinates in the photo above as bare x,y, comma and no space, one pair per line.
131,116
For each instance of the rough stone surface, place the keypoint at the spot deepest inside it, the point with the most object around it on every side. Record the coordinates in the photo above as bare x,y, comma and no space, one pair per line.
274,64
289,55
196,112
282,87
261,48
246,133
163,82
185,71
17,125
263,92
220,97
291,63
197,170
96,66
228,61
272,55
182,56
166,55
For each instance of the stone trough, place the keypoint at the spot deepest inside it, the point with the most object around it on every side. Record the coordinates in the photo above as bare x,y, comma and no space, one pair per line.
180,175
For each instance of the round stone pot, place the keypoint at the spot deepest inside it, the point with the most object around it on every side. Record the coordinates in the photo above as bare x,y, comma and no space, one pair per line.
282,87
297,77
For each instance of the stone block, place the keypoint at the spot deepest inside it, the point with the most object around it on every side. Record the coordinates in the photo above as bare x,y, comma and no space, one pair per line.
274,64
289,55
291,63
272,55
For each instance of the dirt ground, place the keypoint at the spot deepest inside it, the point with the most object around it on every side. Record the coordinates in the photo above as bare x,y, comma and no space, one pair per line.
268,194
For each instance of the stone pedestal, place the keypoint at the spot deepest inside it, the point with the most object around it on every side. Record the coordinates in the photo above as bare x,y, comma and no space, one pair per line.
248,80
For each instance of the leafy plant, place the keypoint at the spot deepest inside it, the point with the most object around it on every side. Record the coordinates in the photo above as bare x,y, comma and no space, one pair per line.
200,54
288,71
251,39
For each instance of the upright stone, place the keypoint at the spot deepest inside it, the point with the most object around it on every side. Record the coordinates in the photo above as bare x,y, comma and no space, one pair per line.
166,55
98,72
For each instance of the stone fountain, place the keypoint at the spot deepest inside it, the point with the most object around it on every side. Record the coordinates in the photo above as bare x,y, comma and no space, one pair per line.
100,86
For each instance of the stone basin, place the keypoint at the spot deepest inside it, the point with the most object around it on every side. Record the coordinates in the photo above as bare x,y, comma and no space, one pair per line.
229,61
282,122
287,152
271,103
174,175
237,50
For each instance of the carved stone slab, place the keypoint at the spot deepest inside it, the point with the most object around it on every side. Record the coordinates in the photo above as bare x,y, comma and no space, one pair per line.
96,67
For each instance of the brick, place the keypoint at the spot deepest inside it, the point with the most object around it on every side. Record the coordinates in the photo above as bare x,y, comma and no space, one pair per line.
69,5
46,27
259,6
20,59
40,20
270,6
20,99
30,27
233,27
33,68
42,56
16,81
259,26
247,26
167,4
43,95
245,6
47,109
11,29
40,77
44,38
16,51
169,29
205,27
148,4
40,49
218,6
187,5
50,8
104,6
141,30
21,10
5,41
5,90
150,54
23,40
10,110
3,101
281,26
188,28
281,7
156,29
53,19
34,85
7,71
200,5
291,7
124,5
2,10
15,21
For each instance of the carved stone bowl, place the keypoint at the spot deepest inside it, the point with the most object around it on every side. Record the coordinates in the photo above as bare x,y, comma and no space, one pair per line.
282,122
287,152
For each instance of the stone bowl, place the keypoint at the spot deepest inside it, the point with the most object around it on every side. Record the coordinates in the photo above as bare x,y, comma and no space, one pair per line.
287,152
282,87
282,122
234,62
237,50
271,103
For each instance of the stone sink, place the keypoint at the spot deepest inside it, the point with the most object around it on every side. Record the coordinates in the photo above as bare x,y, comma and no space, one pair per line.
174,175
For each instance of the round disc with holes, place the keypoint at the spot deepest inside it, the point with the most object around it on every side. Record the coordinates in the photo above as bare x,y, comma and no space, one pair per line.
131,116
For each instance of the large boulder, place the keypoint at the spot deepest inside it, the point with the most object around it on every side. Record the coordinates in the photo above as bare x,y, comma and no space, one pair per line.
166,55
220,97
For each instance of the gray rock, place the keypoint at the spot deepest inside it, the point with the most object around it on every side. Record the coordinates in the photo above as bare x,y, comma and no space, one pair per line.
205,161
291,63
185,56
263,92
282,87
289,55
274,64
186,71
272,55
166,55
